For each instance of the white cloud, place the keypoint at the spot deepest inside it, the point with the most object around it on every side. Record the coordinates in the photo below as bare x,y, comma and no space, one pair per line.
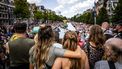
67,13
78,8
82,5
69,7
63,2
37,2
58,8
63,5
73,1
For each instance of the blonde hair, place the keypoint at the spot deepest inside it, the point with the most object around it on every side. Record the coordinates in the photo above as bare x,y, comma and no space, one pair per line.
45,40
70,43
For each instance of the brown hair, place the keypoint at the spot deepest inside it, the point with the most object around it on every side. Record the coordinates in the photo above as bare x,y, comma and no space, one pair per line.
44,42
97,36
70,43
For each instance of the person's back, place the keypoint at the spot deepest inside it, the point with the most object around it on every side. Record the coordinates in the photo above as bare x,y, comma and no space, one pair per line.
70,43
19,51
18,47
65,63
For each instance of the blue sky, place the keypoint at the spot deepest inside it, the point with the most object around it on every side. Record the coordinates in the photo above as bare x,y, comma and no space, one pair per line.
67,8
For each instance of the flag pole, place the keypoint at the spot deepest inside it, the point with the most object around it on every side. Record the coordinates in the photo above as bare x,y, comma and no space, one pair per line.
94,12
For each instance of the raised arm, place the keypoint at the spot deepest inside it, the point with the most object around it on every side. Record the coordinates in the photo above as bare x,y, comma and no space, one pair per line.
67,53
73,54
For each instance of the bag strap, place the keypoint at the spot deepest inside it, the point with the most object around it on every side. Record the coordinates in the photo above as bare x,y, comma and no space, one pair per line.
111,65
88,48
104,31
47,66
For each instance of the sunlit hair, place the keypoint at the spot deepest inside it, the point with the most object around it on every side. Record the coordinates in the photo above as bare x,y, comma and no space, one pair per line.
70,43
45,40
113,46
115,54
97,36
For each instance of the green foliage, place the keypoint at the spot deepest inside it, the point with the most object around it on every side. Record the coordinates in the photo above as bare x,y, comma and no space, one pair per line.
86,17
52,16
38,15
117,12
102,16
21,9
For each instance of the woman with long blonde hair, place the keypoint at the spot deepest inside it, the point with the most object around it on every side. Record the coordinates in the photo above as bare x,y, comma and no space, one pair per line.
43,53
70,43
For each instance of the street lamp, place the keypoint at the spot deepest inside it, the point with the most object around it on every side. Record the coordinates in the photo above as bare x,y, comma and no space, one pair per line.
94,14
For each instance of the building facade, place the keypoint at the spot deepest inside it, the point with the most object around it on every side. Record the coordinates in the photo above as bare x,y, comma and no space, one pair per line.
6,12
32,9
109,4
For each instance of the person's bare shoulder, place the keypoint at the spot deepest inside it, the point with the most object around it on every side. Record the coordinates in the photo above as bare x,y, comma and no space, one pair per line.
66,63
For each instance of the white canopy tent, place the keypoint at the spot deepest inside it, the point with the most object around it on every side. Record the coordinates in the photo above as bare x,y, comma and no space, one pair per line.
71,27
63,31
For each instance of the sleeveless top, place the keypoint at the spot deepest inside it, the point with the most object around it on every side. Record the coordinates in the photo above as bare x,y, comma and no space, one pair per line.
93,54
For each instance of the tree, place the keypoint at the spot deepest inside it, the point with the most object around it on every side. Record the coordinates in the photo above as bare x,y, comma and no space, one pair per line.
117,12
86,17
91,19
21,9
38,15
54,17
73,18
102,16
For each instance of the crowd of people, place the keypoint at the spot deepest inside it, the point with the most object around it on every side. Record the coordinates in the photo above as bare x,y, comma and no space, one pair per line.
89,47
